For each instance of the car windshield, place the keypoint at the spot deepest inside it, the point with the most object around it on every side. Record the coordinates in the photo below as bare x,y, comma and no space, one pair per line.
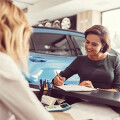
57,44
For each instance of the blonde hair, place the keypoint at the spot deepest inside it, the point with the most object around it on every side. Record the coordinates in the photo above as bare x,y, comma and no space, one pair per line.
14,33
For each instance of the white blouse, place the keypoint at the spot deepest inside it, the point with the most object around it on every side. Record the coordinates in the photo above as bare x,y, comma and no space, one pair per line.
15,95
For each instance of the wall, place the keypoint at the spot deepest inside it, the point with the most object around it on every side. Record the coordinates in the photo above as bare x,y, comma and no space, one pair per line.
87,19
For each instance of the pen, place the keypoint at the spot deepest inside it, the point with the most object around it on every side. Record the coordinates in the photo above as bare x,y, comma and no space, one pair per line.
48,85
41,88
58,76
41,83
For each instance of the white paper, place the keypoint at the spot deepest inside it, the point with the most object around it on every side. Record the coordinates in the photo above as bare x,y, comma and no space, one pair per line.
48,100
75,88
34,89
87,110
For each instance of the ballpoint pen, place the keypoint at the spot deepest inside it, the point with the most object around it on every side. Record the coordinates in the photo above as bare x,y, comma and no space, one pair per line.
58,76
41,84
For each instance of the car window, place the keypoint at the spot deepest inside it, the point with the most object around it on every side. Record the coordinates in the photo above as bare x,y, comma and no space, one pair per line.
79,44
50,43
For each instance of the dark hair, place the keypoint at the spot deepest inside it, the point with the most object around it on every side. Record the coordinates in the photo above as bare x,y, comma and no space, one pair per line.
103,33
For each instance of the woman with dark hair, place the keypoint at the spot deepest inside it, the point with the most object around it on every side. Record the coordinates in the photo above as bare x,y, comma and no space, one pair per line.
97,69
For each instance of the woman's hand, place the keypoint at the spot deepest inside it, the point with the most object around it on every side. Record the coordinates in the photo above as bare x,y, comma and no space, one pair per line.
59,80
86,83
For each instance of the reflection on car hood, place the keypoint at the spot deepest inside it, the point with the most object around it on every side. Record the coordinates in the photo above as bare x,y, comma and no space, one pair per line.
43,66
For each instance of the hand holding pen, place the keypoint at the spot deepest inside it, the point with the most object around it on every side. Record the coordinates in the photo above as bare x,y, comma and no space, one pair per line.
58,76
58,80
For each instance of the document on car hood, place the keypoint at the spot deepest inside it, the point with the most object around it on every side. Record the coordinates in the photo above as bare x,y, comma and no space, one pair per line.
75,88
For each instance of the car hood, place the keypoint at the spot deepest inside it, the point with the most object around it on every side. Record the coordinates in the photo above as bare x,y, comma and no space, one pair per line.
43,66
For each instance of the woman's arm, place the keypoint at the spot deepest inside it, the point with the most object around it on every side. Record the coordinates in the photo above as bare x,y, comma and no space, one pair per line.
71,69
116,82
68,72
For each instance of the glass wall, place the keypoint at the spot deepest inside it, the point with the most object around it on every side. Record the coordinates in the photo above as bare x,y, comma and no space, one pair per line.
111,19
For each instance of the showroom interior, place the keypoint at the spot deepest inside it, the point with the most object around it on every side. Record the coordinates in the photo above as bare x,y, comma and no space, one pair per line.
63,81
81,14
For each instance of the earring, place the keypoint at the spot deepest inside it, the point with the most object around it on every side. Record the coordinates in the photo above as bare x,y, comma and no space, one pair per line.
101,49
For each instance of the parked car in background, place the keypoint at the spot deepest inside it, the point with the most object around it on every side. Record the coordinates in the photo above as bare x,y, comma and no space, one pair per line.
53,50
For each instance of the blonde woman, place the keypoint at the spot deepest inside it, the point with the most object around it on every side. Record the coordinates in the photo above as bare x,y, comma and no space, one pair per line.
16,98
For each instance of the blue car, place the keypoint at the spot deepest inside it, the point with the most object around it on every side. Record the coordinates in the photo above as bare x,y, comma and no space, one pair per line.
53,50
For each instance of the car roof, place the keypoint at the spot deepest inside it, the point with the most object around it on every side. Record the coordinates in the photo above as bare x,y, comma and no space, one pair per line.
57,31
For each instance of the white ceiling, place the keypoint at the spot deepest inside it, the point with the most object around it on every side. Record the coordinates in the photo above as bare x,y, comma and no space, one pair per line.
39,10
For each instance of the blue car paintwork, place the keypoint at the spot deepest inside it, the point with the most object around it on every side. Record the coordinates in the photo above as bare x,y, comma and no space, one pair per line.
46,69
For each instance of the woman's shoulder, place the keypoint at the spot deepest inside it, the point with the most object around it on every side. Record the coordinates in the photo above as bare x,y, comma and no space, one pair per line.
6,61
8,67
81,58
113,57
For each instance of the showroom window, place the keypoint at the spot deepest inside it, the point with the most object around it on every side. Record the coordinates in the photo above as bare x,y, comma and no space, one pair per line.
111,19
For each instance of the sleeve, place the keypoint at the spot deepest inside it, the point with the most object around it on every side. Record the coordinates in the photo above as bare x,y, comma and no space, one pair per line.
18,98
116,83
70,70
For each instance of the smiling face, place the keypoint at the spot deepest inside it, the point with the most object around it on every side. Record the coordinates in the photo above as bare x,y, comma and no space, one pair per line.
93,45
